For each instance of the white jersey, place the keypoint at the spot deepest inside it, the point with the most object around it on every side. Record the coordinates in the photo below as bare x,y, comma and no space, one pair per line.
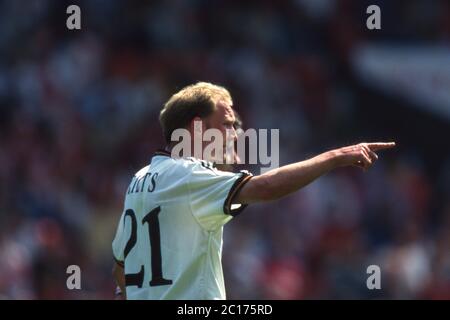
169,236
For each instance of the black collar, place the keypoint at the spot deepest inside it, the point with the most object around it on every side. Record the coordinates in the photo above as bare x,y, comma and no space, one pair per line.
162,152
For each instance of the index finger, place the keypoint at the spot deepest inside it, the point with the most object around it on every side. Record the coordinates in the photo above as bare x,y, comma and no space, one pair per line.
374,146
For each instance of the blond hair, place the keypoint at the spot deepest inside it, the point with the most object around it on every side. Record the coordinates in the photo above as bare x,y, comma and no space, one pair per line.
196,100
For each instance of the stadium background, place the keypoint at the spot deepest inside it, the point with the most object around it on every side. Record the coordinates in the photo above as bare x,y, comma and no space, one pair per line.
78,116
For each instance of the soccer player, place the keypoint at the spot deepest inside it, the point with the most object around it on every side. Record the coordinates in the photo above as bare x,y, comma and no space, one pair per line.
168,243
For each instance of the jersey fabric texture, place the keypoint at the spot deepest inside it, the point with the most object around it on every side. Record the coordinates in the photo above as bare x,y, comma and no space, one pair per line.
170,235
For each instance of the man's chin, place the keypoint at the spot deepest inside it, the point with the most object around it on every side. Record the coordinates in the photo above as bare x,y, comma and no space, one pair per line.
225,167
226,163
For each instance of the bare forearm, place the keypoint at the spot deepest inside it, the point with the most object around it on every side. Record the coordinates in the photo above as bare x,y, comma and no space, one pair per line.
285,180
280,182
119,277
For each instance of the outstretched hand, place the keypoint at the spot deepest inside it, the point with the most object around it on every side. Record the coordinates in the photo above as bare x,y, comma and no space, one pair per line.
361,155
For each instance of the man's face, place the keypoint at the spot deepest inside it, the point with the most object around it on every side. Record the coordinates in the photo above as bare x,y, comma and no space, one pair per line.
224,120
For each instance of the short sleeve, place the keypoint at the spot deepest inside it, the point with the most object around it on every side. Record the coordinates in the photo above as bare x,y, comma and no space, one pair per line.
119,242
212,193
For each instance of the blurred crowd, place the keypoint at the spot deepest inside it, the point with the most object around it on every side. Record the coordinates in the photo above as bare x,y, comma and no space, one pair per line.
78,117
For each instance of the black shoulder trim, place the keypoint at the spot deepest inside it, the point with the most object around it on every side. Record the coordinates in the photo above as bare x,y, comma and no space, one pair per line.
238,184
